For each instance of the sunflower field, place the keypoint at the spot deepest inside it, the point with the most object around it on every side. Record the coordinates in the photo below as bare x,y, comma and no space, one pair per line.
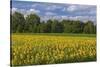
38,49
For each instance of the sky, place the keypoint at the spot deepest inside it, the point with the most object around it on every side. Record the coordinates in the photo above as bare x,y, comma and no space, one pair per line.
55,10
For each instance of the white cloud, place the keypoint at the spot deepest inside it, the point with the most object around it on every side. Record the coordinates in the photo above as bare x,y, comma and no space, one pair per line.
13,10
34,10
22,11
64,9
72,8
53,7
92,12
25,12
31,11
86,18
81,18
50,14
60,18
34,5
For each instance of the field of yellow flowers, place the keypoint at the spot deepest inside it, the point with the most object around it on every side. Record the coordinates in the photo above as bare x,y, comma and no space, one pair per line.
46,49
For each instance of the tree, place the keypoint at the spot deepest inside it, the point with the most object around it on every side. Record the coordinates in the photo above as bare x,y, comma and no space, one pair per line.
56,27
17,22
45,27
32,21
94,29
32,24
42,27
77,26
48,25
89,27
67,24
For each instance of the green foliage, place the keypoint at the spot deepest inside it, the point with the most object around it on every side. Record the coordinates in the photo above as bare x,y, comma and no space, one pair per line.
56,27
17,22
89,28
32,24
43,28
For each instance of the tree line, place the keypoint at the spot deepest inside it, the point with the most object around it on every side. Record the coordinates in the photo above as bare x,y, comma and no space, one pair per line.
32,24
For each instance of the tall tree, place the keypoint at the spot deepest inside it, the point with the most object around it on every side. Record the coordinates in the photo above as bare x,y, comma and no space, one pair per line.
89,27
48,25
32,21
17,22
32,24
56,27
77,26
67,24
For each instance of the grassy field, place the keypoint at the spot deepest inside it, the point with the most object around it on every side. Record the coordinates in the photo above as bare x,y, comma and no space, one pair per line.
35,49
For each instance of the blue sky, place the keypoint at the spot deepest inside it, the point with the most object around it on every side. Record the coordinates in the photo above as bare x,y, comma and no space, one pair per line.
56,11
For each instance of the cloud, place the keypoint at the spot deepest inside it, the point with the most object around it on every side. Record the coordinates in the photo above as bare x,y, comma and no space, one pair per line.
35,5
92,12
14,10
60,18
25,12
53,7
34,11
86,18
81,18
57,11
22,11
78,10
72,8
50,14
31,11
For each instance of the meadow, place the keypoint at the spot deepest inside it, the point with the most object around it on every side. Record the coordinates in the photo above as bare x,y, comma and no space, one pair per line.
35,49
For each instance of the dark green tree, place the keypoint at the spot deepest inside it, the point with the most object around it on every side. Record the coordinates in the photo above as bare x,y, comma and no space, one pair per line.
43,27
56,27
32,22
67,24
48,26
88,27
77,26
17,22
94,29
